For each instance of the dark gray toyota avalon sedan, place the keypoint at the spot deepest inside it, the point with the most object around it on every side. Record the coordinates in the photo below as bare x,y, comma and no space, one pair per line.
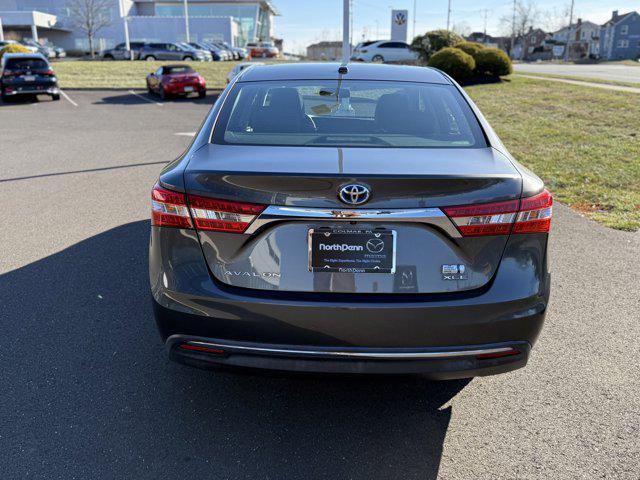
358,219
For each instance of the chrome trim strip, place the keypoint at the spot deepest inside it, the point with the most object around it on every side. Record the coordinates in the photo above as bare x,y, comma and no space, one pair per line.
430,216
343,354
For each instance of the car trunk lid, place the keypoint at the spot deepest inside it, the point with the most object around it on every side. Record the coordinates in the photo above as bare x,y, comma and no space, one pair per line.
408,189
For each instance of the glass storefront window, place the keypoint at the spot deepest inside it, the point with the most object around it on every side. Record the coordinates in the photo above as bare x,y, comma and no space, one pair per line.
245,14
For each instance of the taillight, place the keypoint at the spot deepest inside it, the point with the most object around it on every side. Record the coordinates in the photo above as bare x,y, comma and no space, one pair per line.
485,219
175,209
529,215
535,214
169,209
222,215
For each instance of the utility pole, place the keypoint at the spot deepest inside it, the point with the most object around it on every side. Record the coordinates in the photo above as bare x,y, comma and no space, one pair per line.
1,32
513,30
448,15
186,20
413,34
346,47
567,46
484,32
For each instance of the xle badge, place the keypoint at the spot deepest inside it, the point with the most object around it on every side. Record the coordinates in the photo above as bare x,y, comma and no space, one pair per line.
454,272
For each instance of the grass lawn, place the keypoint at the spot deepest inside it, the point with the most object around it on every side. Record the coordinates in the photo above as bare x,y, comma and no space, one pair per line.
584,142
121,74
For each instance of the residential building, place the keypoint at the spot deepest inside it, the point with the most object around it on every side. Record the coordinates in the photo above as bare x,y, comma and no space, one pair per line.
582,39
325,51
503,43
531,45
234,21
620,37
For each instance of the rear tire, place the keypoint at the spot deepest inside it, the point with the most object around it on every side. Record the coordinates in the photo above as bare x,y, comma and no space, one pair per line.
55,97
4,97
377,59
163,94
202,93
188,59
108,57
150,58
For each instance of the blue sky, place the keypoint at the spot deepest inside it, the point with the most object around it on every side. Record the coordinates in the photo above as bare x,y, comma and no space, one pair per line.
307,21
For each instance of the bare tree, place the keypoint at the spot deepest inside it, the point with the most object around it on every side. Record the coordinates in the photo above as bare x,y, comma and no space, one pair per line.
555,18
527,16
90,16
461,28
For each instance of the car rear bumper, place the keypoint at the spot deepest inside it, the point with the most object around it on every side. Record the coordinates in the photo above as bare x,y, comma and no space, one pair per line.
190,306
180,88
442,363
37,89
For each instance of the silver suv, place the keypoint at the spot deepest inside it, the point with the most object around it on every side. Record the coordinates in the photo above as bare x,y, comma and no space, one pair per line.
173,51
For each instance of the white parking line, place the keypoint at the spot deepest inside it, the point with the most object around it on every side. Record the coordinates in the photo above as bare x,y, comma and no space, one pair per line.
144,98
68,98
185,134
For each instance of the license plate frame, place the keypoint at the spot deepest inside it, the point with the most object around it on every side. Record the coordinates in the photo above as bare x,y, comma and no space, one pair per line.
188,89
352,250
28,78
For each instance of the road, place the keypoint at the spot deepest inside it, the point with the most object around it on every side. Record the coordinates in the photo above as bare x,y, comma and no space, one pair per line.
619,73
88,392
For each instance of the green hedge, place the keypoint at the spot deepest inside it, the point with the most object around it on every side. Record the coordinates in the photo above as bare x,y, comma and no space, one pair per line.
431,42
470,48
494,62
454,62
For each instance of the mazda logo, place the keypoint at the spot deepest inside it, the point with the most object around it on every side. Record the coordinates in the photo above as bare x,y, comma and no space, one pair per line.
375,245
354,194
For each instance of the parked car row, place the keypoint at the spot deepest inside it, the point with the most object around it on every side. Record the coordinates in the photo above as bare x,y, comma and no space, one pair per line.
193,51
46,49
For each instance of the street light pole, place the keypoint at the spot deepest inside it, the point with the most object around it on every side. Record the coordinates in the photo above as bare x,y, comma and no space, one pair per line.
186,20
125,19
346,48
448,15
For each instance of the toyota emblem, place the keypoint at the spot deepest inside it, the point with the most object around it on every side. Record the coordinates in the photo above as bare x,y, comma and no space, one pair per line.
354,194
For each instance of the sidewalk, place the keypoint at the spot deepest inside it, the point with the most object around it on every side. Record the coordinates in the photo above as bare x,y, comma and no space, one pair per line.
605,86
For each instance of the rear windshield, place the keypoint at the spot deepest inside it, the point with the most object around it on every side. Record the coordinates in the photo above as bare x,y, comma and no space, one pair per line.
170,70
350,113
27,63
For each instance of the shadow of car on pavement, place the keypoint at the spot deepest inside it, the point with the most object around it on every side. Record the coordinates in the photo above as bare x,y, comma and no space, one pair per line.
89,391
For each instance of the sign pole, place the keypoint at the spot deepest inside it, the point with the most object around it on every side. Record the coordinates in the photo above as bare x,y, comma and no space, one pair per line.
346,47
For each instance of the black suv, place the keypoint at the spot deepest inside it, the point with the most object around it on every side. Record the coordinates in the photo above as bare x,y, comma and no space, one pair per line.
27,74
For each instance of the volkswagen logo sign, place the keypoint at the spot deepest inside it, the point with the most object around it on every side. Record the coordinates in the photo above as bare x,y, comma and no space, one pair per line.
400,18
354,194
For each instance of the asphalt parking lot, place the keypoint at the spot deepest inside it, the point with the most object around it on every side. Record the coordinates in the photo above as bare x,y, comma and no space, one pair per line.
88,392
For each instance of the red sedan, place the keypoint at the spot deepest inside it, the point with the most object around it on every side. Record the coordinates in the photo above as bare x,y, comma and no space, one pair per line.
176,80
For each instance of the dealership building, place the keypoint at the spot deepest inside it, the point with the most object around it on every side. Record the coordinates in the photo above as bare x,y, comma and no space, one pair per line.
234,21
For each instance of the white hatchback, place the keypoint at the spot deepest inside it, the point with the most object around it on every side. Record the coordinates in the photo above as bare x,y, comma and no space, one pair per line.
383,51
